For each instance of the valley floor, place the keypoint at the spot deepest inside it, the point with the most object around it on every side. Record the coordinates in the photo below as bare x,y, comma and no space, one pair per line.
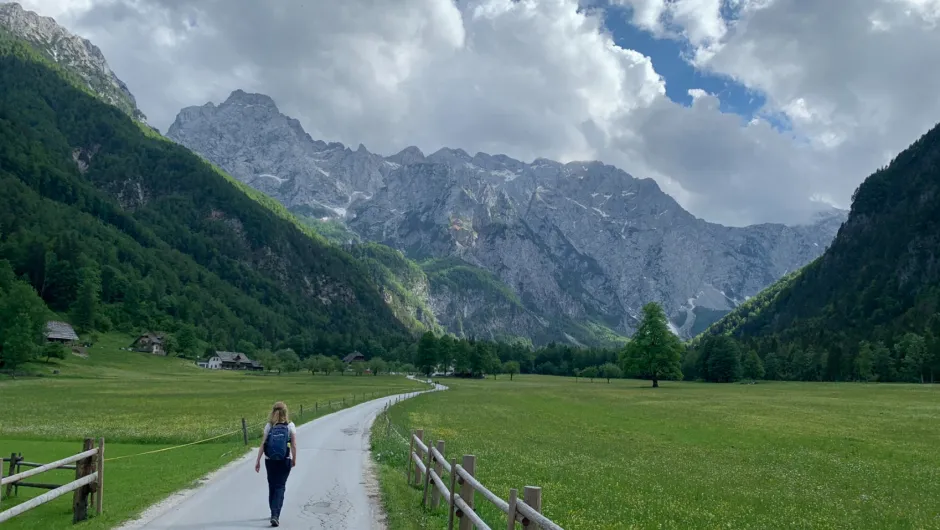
687,455
141,403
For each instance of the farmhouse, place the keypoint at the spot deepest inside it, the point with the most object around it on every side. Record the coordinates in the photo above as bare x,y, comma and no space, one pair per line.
236,361
60,332
354,357
212,363
149,343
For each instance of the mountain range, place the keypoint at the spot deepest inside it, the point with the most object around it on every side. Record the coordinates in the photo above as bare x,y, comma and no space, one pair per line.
582,241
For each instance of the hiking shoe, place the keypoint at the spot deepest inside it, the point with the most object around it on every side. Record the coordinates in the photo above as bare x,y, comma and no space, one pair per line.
274,522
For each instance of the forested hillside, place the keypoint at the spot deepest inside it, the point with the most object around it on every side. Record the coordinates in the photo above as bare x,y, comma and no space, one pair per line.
870,306
158,237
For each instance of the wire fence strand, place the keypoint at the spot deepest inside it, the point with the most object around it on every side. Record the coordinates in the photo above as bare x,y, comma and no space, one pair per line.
330,404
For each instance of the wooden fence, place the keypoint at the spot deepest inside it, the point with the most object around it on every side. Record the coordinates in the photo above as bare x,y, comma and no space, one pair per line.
427,467
89,481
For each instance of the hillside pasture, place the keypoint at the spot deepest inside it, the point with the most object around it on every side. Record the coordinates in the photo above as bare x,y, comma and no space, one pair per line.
687,455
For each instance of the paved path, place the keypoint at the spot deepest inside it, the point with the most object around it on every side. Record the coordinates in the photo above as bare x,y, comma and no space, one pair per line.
326,490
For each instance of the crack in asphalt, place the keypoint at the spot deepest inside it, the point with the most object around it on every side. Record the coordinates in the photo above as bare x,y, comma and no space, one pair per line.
329,511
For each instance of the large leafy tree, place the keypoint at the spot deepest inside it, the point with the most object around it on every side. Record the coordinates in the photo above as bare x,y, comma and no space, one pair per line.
654,352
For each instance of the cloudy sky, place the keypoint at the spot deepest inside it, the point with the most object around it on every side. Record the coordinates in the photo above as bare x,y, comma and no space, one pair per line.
744,110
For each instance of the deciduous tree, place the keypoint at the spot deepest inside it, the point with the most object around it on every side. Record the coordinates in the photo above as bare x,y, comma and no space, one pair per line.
377,365
358,367
511,368
590,372
610,371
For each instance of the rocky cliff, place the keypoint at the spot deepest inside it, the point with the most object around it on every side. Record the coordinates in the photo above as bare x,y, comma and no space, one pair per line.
73,53
582,242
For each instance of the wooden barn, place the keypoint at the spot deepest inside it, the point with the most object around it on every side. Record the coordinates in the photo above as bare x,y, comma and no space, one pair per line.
60,332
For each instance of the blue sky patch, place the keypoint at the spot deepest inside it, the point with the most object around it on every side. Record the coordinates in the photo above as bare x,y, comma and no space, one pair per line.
668,60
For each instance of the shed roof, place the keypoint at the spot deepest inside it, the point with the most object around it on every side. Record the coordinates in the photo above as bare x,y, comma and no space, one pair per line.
60,330
353,356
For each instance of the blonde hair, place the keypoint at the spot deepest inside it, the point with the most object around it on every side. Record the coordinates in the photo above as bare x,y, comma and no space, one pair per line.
279,414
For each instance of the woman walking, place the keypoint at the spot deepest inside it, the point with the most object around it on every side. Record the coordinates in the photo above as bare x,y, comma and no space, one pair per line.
279,447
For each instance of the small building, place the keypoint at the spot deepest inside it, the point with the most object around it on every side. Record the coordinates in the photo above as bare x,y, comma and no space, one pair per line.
354,357
149,343
60,332
230,360
212,363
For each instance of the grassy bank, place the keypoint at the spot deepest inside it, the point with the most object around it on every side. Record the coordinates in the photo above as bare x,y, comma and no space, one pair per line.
140,403
688,455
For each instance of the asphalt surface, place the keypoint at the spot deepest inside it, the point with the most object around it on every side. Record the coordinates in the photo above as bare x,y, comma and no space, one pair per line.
326,489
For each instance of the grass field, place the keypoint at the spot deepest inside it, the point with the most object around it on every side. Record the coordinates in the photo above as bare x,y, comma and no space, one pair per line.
687,455
140,403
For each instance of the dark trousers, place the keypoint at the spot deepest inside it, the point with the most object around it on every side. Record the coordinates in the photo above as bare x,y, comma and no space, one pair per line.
278,470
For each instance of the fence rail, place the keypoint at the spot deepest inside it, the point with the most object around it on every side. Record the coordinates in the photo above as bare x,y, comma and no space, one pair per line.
427,466
88,483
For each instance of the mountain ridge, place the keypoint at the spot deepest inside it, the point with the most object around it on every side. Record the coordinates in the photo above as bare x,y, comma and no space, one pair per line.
582,240
76,54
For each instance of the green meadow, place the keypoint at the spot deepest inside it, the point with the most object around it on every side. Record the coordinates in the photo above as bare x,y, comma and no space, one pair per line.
687,455
141,403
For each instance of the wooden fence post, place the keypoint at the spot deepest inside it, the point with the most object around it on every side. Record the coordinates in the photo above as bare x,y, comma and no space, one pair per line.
11,473
532,496
301,411
439,469
245,431
452,506
80,497
511,521
427,475
411,450
420,434
466,490
316,408
99,492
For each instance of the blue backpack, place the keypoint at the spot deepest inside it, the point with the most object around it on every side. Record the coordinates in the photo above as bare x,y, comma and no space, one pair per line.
275,447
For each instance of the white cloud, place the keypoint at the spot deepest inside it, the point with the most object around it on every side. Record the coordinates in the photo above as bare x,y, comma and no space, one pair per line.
533,78
699,21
